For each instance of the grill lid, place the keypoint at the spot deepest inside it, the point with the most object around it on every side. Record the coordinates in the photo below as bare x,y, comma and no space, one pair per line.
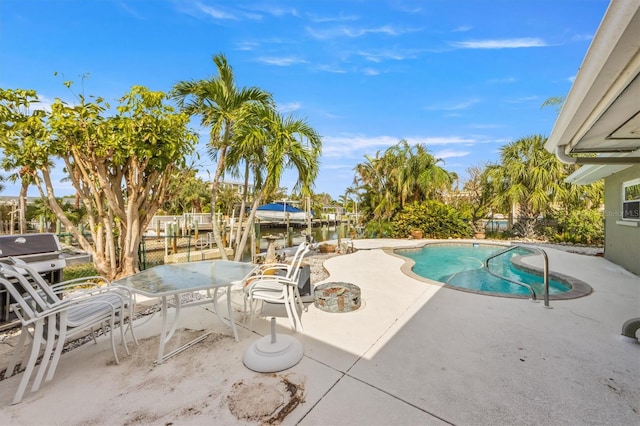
26,244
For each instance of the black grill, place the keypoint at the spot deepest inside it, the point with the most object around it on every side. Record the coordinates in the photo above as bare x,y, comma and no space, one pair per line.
40,251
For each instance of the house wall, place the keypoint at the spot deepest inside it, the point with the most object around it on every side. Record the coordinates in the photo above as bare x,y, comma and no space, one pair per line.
622,238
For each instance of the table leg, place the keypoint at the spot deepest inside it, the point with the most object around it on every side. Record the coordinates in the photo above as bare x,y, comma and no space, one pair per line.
216,308
163,309
166,336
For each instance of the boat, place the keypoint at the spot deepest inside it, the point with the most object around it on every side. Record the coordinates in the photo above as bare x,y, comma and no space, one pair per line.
281,212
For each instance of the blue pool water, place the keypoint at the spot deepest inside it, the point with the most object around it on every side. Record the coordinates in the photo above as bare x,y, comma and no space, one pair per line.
462,265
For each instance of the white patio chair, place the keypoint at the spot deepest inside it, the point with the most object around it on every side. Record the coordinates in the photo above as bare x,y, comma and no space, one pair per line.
47,319
268,270
279,289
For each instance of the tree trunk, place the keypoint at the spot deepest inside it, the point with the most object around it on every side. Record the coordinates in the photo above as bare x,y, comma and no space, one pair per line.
247,230
217,235
22,207
245,190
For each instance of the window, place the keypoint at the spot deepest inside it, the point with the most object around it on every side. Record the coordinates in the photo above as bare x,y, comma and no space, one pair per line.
631,200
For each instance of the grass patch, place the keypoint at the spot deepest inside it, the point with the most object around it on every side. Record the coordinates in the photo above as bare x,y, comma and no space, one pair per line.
79,271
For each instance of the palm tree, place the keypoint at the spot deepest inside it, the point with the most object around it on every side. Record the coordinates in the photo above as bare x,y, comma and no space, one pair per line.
403,174
530,178
223,107
270,144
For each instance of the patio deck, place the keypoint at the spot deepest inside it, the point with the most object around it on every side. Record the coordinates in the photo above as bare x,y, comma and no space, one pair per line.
414,353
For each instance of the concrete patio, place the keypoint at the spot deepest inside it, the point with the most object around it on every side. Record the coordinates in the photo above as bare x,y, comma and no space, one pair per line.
414,354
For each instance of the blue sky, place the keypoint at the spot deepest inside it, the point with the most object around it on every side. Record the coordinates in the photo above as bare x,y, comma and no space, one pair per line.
462,77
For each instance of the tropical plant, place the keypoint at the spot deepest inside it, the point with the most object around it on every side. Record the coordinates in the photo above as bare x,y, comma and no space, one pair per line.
476,198
379,228
222,107
529,178
271,143
401,175
584,226
120,165
21,127
434,218
187,193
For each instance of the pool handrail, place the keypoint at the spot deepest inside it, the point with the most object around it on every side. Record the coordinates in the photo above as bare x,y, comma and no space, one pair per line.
545,271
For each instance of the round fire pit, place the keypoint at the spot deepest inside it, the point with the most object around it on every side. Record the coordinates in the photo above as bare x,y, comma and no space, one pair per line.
337,297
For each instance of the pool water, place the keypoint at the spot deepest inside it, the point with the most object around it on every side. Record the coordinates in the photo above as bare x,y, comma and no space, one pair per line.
462,266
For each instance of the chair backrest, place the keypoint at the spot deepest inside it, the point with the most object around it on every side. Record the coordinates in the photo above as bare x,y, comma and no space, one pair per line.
295,260
295,264
34,286
26,312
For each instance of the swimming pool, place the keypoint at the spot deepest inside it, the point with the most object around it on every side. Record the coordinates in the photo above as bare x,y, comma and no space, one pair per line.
461,266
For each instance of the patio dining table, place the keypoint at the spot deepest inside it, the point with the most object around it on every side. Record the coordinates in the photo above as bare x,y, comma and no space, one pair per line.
174,280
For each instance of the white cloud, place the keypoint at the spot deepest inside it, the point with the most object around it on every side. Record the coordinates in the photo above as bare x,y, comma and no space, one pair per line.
215,13
455,107
329,33
512,43
462,29
247,45
356,146
330,68
522,100
450,153
339,18
380,55
370,71
288,107
281,62
582,37
43,104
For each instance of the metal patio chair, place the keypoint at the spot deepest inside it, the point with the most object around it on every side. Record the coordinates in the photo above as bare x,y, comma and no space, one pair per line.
268,287
47,319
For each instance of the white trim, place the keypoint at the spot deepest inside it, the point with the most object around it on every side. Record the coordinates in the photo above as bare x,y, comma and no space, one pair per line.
628,223
624,186
593,172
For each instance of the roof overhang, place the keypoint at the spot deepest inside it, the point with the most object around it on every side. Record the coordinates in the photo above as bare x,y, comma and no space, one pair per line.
599,124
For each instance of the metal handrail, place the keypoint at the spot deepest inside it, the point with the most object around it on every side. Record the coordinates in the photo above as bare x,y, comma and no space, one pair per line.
545,271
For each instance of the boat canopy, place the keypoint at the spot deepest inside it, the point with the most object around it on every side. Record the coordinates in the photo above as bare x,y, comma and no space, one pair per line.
280,207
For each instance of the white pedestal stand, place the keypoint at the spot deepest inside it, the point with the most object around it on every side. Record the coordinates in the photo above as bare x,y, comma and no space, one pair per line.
273,353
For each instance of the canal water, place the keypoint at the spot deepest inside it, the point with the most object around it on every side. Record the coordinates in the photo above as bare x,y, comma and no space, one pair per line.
295,235
154,248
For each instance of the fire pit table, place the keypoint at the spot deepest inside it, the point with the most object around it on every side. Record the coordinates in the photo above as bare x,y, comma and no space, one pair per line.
337,297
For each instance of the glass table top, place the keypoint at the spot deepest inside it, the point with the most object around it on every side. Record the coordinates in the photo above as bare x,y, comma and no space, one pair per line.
182,277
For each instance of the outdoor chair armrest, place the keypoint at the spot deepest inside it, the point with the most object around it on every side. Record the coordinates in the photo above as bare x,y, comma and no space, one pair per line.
90,281
86,298
270,279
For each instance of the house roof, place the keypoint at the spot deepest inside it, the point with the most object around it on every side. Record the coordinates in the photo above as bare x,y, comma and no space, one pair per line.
601,114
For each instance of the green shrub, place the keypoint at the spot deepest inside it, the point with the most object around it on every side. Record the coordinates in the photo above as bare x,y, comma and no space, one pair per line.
379,229
433,218
585,226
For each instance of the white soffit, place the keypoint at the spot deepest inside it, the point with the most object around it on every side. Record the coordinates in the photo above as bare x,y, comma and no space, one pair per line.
602,111
592,173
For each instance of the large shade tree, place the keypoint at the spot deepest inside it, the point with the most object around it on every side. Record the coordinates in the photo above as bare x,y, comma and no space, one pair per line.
222,107
119,164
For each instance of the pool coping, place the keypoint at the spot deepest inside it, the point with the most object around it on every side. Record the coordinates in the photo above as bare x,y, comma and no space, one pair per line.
578,289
